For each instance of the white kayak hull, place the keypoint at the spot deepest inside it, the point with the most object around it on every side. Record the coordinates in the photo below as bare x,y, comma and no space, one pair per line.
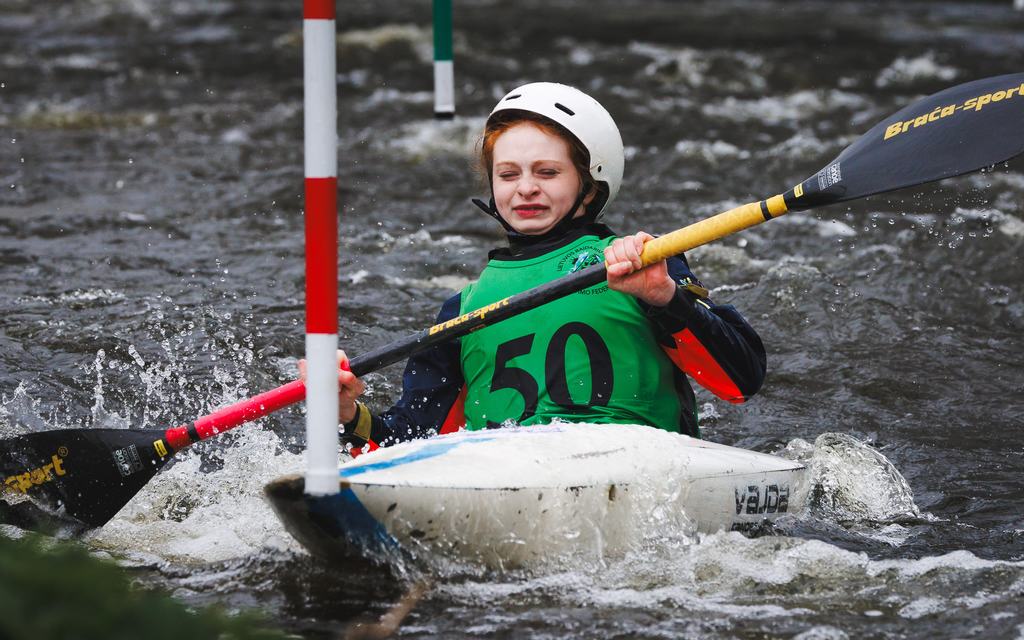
520,497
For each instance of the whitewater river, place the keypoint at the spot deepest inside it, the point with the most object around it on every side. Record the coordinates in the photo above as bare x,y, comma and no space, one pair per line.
151,270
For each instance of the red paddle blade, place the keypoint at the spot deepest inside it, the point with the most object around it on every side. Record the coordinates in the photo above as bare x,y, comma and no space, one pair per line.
85,475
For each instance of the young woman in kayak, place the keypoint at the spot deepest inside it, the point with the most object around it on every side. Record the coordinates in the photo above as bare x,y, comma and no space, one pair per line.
614,353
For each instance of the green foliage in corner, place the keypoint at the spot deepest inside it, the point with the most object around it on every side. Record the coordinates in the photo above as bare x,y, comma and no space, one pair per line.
57,591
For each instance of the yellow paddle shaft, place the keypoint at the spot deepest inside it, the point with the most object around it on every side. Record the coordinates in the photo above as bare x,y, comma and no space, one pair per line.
713,228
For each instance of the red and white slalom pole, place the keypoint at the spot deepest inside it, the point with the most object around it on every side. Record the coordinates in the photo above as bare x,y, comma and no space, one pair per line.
320,122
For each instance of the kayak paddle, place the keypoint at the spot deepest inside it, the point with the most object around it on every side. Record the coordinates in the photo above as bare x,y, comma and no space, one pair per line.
90,474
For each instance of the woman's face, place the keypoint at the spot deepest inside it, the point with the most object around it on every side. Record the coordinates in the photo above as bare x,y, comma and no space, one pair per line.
534,179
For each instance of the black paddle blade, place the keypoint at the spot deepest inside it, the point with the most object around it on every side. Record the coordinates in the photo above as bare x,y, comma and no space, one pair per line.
956,131
86,475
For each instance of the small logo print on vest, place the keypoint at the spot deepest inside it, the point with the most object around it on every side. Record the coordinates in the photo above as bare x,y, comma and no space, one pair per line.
580,259
583,261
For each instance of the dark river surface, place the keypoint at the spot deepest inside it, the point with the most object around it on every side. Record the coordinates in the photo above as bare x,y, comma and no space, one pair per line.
151,270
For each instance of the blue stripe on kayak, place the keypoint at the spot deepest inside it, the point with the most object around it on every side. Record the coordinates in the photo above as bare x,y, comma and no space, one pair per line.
425,452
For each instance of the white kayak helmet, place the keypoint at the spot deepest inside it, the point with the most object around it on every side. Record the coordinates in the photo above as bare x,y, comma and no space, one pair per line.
584,118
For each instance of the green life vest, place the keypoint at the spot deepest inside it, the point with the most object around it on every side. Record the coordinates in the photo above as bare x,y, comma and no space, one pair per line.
591,356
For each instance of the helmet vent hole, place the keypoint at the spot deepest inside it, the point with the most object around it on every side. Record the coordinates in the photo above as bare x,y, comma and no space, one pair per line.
565,109
518,95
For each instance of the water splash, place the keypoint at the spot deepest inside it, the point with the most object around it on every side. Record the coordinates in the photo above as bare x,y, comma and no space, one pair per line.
856,486
100,415
193,514
21,413
730,579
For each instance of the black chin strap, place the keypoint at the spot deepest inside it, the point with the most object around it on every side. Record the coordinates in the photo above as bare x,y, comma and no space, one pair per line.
566,223
490,209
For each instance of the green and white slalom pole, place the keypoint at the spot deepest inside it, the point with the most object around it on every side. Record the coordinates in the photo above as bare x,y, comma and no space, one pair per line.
321,140
444,69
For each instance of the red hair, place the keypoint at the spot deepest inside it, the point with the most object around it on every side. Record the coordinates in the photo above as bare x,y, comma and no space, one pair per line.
505,120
